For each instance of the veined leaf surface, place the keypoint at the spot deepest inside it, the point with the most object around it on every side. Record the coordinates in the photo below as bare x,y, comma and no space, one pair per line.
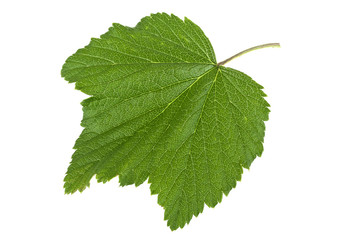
162,109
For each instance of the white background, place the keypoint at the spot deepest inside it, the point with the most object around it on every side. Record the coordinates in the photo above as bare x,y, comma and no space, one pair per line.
292,192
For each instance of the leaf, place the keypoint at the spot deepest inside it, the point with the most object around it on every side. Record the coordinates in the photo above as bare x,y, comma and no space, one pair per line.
162,108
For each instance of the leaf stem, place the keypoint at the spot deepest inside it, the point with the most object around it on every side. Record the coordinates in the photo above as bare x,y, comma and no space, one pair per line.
248,50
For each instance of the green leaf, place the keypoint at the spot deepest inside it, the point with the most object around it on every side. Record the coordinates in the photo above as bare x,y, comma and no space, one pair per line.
162,108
